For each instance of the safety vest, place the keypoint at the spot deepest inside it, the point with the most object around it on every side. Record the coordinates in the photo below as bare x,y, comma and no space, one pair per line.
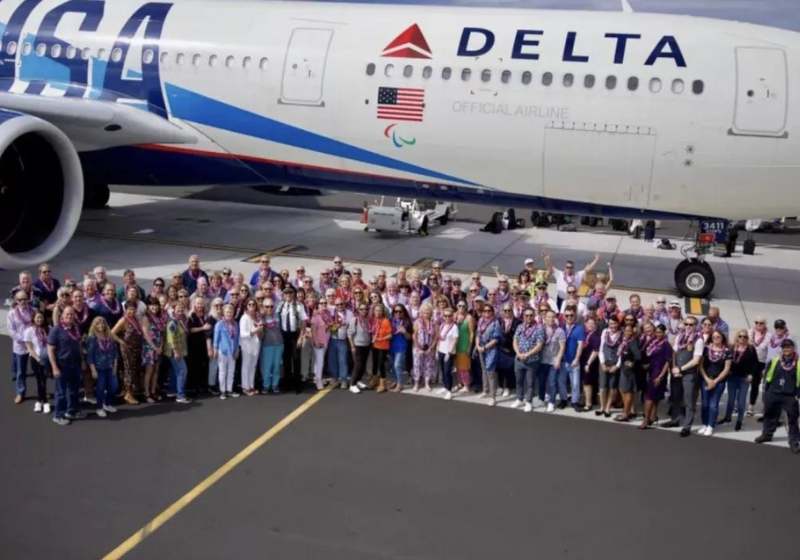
771,370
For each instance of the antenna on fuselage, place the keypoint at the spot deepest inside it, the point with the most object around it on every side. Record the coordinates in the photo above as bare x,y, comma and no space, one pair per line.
626,7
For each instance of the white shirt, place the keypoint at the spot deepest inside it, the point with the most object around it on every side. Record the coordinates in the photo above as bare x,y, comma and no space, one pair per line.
581,308
248,339
699,346
761,349
30,336
288,317
448,334
561,281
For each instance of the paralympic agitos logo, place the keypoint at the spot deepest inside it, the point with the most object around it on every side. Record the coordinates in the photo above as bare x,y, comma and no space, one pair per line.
147,87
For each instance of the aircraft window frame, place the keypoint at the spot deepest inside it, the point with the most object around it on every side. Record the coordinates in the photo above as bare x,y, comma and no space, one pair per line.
247,62
180,58
589,81
505,76
655,85
547,79
213,61
568,80
486,75
11,48
263,64
230,61
197,59
101,54
369,70
116,54
86,53
70,52
148,55
526,78
678,86
611,82
466,74
55,51
41,49
427,72
447,73
388,70
698,87
27,48
632,83
408,71
164,57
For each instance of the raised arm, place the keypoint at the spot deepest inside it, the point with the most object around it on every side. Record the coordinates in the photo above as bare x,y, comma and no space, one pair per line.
589,267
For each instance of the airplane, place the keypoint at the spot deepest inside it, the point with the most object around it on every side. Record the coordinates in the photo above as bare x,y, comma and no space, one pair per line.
623,115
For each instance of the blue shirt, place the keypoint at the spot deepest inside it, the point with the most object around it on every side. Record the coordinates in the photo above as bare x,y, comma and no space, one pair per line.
528,338
576,336
399,342
255,278
223,342
189,282
101,359
67,350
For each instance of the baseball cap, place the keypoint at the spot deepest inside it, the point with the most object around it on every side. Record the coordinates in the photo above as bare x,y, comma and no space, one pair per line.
780,324
675,303
787,342
289,290
611,297
528,261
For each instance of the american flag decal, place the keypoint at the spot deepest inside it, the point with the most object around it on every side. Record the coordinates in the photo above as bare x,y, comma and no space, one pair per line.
401,104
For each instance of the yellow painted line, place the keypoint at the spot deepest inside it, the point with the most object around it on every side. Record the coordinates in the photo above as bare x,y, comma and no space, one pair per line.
279,251
152,526
420,265
695,306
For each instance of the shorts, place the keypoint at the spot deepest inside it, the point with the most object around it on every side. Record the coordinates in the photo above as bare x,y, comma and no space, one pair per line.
608,380
627,380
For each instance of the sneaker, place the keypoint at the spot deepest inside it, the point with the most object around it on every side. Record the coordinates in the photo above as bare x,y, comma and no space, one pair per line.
463,390
61,421
110,409
416,387
448,396
528,407
183,400
701,430
236,395
492,402
550,407
354,389
562,405
516,404
795,449
506,393
75,415
343,385
101,413
37,407
361,385
89,399
46,408
223,396
441,391
709,431
213,390
276,391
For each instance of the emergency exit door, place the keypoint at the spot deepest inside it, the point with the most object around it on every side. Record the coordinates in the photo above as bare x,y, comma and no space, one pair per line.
304,67
762,94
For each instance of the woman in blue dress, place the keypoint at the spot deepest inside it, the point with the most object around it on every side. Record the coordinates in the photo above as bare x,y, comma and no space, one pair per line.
489,335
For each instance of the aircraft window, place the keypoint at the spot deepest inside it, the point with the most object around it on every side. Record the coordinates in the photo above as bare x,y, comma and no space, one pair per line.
41,48
197,59
633,83
655,85
526,78
264,61
86,53
677,86
11,48
230,61
698,87
588,81
247,62
466,74
427,72
446,73
569,79
408,71
26,49
505,77
71,52
370,68
55,52
547,78
147,56
486,75
389,70
212,60
179,58
116,54
611,82
101,54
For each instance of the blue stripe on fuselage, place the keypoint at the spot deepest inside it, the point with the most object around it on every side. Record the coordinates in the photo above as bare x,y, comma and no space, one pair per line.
191,106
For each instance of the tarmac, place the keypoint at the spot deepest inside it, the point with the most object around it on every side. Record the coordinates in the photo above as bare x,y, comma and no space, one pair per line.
406,476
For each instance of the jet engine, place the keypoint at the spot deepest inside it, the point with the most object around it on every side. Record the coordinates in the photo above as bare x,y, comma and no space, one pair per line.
41,190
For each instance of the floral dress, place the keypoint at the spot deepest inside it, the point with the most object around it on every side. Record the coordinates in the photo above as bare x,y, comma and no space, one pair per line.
132,355
156,331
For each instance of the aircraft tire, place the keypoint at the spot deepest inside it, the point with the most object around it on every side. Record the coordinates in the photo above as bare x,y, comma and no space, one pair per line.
694,279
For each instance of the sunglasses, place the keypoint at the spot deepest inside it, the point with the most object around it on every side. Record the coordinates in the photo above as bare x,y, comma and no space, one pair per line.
473,291
356,274
569,315
506,311
339,305
742,336
158,285
45,272
572,292
22,300
217,305
690,324
759,322
265,307
228,273
358,292
461,306
528,315
362,308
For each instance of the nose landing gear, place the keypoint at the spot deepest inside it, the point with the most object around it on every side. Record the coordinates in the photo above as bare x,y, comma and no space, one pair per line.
693,276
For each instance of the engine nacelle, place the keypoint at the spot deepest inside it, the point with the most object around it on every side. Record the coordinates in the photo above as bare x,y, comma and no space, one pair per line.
41,190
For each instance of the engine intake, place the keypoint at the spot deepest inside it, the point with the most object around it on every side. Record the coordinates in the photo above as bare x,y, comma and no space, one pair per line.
41,190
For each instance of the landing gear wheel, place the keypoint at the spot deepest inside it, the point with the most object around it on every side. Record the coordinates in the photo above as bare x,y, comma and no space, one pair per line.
694,279
96,196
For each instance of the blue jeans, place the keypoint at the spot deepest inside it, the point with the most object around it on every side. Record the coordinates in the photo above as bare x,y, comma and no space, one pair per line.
552,384
710,402
398,365
737,393
67,391
105,387
446,367
20,368
338,353
271,366
178,373
574,374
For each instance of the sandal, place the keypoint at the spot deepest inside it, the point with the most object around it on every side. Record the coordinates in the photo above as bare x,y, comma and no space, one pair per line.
621,418
150,399
607,414
598,413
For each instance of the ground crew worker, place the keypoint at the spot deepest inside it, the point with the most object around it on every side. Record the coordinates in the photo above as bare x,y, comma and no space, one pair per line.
783,390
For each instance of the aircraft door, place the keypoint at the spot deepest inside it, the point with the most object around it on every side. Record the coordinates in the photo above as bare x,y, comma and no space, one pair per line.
761,92
304,67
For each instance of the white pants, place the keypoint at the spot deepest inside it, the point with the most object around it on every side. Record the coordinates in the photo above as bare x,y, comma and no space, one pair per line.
249,363
319,361
227,365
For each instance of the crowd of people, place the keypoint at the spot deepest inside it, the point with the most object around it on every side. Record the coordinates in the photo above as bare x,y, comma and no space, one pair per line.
219,333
